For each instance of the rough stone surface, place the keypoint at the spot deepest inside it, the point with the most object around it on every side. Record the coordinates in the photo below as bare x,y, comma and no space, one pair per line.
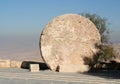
4,63
73,68
34,67
16,64
69,39
10,63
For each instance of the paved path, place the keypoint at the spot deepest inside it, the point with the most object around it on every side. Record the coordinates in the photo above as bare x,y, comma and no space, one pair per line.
23,76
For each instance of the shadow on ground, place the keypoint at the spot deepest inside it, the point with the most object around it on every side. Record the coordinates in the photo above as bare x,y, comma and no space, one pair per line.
26,65
109,70
108,74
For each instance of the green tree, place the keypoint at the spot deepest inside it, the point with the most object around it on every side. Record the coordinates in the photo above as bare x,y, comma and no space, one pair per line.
108,52
101,25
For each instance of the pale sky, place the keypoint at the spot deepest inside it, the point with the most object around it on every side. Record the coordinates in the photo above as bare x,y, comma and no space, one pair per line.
21,21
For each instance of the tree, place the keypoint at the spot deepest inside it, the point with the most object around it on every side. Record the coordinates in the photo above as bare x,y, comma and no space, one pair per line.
101,25
108,52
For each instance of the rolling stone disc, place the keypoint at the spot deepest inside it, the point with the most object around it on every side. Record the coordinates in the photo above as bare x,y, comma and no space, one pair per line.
69,42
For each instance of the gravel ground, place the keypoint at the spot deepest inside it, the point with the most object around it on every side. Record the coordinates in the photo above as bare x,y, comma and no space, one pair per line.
24,76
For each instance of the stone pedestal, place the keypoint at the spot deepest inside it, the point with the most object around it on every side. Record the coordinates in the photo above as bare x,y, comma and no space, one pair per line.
34,68
73,68
4,63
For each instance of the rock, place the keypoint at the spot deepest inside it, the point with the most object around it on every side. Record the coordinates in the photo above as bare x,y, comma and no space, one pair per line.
73,68
15,64
4,63
69,40
7,63
34,68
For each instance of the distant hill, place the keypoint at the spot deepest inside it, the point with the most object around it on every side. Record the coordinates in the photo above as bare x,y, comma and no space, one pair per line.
117,48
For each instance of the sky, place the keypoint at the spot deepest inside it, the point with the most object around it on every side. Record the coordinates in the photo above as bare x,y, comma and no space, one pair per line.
21,21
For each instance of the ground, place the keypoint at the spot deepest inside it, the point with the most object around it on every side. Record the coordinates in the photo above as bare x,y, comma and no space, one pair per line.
24,76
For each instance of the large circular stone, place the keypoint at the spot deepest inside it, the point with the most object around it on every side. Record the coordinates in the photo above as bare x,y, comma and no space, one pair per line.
69,43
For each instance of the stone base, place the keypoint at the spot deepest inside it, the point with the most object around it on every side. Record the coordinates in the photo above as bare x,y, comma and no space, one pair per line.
16,64
73,68
4,63
34,68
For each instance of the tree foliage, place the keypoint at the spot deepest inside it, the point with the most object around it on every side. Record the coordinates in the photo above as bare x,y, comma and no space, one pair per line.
108,52
101,24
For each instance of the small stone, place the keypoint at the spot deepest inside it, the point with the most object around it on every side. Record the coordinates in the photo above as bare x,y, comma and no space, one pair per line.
34,67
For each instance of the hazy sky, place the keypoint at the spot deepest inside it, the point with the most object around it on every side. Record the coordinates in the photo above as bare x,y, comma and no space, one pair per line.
24,19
